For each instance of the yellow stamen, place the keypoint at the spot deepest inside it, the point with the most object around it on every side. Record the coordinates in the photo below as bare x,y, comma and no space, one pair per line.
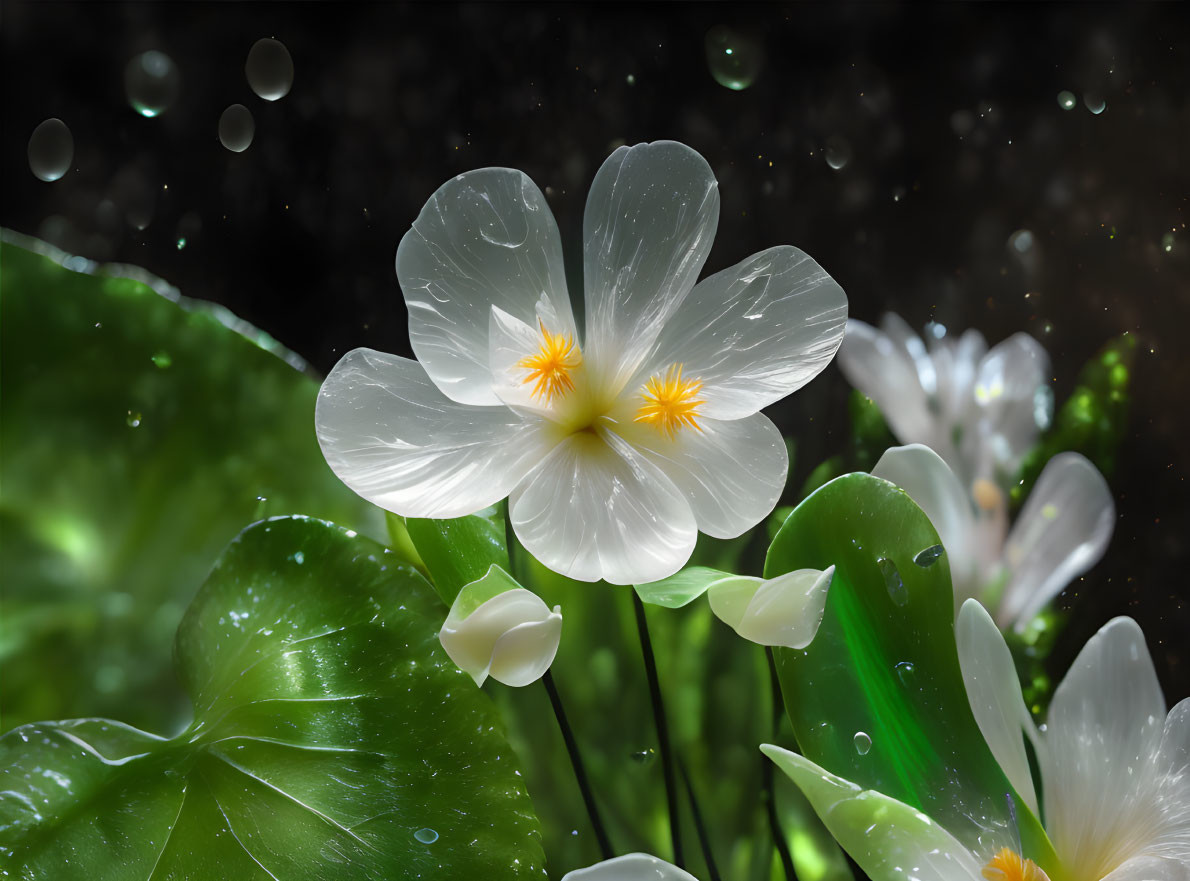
670,403
550,367
1008,865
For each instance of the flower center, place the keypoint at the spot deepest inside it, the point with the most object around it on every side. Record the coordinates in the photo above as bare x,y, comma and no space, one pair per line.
1007,865
549,368
986,494
670,402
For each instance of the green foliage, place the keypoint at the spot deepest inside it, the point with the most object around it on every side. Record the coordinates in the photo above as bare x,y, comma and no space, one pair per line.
140,433
459,551
878,697
332,739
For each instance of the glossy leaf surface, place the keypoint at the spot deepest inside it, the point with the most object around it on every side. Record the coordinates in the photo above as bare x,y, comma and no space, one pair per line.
333,739
460,550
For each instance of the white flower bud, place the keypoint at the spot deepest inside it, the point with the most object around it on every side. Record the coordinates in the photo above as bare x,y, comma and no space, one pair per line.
630,867
498,628
784,611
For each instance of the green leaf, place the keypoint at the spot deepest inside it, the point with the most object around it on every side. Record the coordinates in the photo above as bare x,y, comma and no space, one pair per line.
332,739
461,550
878,697
681,588
140,432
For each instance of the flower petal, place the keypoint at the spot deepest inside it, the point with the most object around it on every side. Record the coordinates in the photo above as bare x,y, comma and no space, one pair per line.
523,654
471,640
650,218
994,693
1102,765
1010,398
731,473
889,840
630,867
1152,869
955,367
756,332
885,372
485,238
392,436
597,509
1062,532
786,610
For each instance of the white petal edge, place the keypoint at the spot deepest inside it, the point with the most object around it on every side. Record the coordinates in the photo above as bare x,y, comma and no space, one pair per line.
630,867
1101,767
755,332
890,840
392,436
994,693
649,222
471,641
597,509
782,611
1061,533
1006,392
484,238
1152,869
523,654
731,473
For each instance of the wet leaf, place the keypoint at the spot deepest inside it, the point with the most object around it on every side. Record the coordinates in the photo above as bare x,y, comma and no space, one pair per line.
332,739
460,550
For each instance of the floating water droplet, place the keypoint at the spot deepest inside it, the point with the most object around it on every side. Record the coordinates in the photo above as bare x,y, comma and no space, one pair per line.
237,128
1094,102
734,59
1021,241
181,243
893,582
162,359
426,836
133,419
51,150
269,69
1066,100
630,79
299,557
151,83
837,152
644,756
862,742
928,556
1167,242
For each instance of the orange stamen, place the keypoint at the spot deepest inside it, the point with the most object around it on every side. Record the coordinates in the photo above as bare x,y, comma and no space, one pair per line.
550,367
670,402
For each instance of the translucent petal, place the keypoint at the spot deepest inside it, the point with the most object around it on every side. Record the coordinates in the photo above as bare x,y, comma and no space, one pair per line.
511,341
597,509
650,218
782,611
994,693
485,238
1103,765
955,367
392,436
523,654
472,640
889,840
756,332
630,867
731,473
1062,532
1010,379
1152,869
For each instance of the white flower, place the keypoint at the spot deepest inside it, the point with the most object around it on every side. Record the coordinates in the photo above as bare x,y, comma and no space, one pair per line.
980,410
1061,532
614,449
498,628
630,867
1115,772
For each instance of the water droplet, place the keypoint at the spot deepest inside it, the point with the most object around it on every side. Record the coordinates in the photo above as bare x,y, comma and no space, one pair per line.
837,152
133,419
426,836
892,582
1021,241
269,69
644,756
631,79
151,83
928,556
162,359
1066,100
907,673
1094,102
237,128
51,150
862,742
734,59
181,243
299,557
1167,242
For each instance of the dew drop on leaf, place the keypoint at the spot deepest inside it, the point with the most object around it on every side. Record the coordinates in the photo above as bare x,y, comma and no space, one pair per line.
862,742
893,582
928,556
426,836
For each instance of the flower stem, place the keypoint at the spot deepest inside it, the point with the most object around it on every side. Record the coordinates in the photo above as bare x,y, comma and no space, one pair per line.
667,763
703,840
769,792
576,762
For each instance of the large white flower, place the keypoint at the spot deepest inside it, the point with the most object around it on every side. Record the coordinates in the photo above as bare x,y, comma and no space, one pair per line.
981,410
614,449
1114,770
1061,532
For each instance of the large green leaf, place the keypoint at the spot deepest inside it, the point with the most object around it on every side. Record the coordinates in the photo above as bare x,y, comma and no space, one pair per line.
878,697
460,550
332,739
140,433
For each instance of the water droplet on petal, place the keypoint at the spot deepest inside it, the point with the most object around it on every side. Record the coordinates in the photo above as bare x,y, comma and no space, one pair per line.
237,128
151,83
862,742
734,59
928,556
51,150
426,836
893,582
269,69
1066,100
837,152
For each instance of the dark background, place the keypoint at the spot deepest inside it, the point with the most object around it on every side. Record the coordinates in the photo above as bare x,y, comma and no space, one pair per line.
949,114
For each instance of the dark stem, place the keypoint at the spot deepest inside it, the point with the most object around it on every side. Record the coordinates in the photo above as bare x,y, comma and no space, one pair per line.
767,787
580,773
667,764
703,840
